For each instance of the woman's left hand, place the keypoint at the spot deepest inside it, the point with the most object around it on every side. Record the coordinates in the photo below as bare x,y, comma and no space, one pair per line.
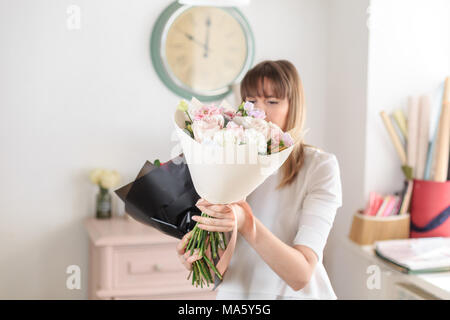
222,217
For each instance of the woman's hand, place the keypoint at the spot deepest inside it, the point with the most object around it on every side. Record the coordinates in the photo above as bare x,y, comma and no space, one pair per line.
222,217
185,257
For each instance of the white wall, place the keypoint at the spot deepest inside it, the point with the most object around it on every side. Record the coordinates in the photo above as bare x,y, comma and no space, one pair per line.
74,100
346,130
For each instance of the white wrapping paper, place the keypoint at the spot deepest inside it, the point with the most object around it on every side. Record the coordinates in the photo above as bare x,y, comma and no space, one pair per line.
224,175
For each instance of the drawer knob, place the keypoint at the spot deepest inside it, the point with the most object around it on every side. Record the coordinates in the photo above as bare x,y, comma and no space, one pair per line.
156,267
151,268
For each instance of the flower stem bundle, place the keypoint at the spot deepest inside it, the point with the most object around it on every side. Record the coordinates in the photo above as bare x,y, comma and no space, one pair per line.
205,242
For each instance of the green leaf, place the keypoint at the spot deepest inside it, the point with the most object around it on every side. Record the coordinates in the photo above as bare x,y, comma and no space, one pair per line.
189,132
408,172
156,163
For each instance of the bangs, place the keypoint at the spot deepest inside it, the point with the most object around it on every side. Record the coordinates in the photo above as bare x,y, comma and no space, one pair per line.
253,83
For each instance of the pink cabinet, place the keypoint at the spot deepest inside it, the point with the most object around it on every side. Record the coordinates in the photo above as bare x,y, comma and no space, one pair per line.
128,260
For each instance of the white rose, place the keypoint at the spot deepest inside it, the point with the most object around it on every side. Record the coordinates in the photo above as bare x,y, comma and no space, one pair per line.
205,129
243,121
262,126
229,136
253,136
258,124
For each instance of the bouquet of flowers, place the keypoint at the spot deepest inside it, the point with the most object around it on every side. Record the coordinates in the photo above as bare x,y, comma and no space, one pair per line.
229,153
226,153
221,126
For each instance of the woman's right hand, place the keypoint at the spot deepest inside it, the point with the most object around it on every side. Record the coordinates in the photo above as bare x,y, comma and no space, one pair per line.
185,257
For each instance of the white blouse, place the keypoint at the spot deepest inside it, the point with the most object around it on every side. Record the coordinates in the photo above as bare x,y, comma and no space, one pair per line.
301,213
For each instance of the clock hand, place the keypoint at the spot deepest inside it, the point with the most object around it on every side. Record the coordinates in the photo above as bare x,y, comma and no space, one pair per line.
193,39
208,24
190,37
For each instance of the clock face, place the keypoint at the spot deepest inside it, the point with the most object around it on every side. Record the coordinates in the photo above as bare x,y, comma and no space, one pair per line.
205,49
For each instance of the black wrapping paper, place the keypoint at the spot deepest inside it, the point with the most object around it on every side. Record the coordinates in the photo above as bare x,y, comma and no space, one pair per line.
162,197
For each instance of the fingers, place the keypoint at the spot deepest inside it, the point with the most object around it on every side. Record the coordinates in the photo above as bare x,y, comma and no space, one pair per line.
203,202
217,211
227,223
216,207
220,208
222,220
187,260
215,228
183,242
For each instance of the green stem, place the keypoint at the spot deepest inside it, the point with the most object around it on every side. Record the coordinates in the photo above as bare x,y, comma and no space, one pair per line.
193,274
194,265
190,240
207,271
103,191
213,245
202,270
189,116
202,244
204,240
213,267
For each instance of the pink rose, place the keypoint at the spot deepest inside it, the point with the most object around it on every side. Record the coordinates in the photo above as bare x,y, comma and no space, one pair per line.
229,115
287,139
206,127
207,111
251,111
275,134
257,113
248,106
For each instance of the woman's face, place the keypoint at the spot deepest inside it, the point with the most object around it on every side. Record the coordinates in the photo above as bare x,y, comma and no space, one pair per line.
276,109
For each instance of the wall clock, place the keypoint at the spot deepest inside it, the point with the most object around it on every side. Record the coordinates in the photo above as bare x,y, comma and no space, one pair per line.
200,50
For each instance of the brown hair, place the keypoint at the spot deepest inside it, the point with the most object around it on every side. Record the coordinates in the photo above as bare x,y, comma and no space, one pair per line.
285,83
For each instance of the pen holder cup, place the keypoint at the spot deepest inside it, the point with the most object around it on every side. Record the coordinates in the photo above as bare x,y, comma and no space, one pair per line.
366,229
430,209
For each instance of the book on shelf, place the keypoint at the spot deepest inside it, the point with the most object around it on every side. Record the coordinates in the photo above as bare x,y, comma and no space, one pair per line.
416,255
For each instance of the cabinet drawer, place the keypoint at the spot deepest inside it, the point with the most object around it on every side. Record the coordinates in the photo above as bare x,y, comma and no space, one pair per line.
175,296
151,266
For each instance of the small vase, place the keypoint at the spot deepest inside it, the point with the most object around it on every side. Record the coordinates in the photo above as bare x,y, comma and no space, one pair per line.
103,204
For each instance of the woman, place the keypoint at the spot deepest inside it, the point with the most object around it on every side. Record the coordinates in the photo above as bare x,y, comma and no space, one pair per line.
293,209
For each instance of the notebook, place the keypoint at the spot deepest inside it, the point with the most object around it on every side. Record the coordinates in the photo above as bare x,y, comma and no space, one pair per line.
416,255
